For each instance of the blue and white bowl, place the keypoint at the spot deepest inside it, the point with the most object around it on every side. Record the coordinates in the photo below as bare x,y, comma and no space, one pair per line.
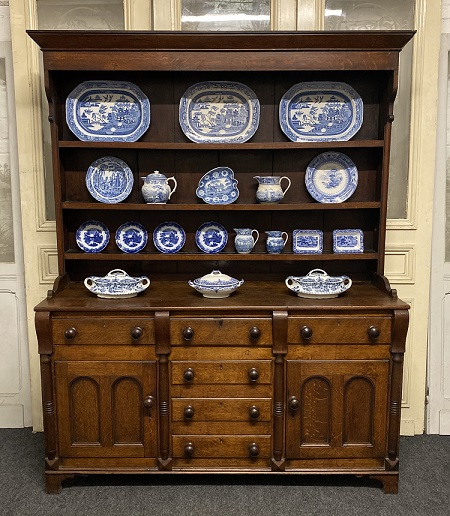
215,285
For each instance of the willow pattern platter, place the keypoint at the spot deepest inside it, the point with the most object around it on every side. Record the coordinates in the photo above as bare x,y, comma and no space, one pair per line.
219,112
320,111
109,180
331,177
103,111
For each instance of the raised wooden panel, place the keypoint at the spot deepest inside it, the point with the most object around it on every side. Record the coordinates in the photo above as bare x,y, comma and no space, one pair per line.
315,401
84,400
359,411
127,396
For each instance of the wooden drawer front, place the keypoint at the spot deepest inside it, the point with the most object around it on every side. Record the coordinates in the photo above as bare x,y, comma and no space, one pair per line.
227,446
99,330
345,329
219,331
221,409
245,372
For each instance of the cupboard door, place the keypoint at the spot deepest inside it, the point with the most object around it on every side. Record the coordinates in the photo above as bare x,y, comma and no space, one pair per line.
106,409
336,409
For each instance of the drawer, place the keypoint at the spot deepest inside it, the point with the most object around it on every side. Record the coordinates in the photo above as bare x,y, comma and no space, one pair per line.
340,329
221,331
221,409
103,330
244,372
224,446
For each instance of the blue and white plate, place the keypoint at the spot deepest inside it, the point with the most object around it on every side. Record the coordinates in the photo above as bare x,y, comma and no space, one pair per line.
331,177
307,241
109,180
211,237
348,241
107,111
169,237
131,237
219,112
218,186
320,111
92,236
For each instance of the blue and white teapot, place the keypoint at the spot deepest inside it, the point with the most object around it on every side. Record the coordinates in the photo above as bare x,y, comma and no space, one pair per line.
156,189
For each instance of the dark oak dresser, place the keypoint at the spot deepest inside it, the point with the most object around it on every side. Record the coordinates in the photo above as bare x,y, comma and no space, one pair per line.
263,381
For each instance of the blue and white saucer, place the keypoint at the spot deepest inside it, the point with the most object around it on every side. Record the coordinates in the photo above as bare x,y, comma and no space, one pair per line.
92,236
109,180
131,237
169,237
211,237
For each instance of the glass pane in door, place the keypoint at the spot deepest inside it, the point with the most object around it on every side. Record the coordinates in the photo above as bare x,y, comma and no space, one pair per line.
245,15
385,15
71,15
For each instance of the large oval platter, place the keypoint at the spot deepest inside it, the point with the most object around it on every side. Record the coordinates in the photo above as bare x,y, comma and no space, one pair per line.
102,111
109,180
321,111
219,112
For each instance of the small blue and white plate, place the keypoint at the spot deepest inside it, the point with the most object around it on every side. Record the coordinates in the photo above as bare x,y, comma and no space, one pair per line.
109,180
348,241
331,177
219,112
320,111
131,237
92,236
211,237
169,237
218,186
307,241
107,111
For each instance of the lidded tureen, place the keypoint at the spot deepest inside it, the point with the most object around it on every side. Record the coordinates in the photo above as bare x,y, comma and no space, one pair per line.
116,284
317,284
216,285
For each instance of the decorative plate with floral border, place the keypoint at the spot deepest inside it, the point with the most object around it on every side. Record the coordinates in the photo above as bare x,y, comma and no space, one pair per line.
211,237
92,236
169,237
131,237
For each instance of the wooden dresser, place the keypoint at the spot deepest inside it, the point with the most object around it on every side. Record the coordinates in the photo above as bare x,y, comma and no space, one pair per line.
262,381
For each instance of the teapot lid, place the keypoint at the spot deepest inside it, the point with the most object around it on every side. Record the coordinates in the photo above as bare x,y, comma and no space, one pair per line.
156,175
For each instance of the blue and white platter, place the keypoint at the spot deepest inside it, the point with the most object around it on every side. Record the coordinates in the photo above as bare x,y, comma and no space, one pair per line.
219,112
117,284
211,237
348,241
107,111
131,237
307,241
320,111
109,180
331,177
218,186
92,236
169,237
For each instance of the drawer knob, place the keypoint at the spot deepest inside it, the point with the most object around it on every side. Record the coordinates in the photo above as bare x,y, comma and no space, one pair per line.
293,403
70,333
188,333
189,450
188,412
306,332
189,374
136,333
253,374
253,450
254,332
149,402
254,412
373,332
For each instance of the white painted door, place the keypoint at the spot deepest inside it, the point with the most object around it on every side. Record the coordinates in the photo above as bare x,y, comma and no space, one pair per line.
15,401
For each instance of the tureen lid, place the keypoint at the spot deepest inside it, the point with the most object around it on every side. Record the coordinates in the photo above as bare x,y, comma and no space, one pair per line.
216,277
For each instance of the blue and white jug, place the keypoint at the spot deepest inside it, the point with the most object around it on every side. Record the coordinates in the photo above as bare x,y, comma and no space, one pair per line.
245,239
269,189
156,189
276,240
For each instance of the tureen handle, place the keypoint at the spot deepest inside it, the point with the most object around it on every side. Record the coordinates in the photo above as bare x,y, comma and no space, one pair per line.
117,272
317,272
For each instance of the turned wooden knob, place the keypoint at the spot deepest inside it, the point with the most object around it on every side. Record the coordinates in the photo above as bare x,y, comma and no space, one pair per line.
306,332
188,333
188,375
254,332
189,450
254,412
188,412
70,333
253,450
136,333
293,403
373,332
148,402
253,374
